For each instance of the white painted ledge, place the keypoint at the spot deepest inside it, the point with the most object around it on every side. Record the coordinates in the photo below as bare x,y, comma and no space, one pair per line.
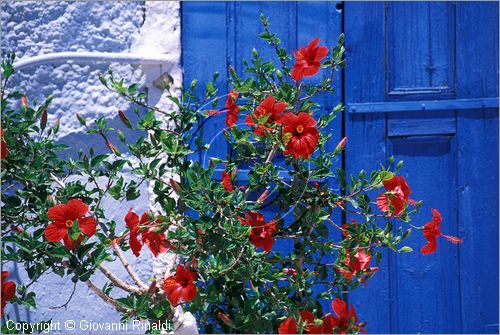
120,57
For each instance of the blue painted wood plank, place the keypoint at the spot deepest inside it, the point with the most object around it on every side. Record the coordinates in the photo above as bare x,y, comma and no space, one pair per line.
365,82
422,124
204,52
420,47
425,288
477,73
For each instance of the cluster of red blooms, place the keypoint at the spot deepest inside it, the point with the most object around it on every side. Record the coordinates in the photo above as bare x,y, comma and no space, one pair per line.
345,318
299,130
147,228
8,290
394,202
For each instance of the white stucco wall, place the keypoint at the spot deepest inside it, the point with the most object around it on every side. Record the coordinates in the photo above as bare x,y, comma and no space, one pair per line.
33,28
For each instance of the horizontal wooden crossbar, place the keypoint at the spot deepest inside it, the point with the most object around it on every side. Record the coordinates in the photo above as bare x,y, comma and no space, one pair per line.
410,106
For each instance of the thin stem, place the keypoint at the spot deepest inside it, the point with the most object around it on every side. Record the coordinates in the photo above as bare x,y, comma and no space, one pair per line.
117,281
128,267
65,305
107,298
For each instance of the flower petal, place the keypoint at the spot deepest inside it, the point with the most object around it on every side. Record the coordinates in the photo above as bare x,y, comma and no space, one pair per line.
56,232
134,243
313,43
429,248
132,220
87,225
189,292
76,209
175,295
58,213
339,307
289,326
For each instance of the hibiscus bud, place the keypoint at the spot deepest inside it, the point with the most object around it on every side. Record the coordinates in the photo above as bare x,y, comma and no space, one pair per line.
112,148
19,230
279,74
175,186
152,288
24,101
340,203
103,79
43,119
227,321
121,135
255,53
212,112
57,123
316,184
194,263
263,196
232,72
51,200
290,271
124,119
341,144
81,119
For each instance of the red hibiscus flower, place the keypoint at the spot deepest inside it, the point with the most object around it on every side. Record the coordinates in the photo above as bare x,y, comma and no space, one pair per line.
232,108
357,265
156,241
8,290
307,60
312,326
432,230
226,181
63,218
181,286
261,235
397,196
270,110
301,134
3,145
289,326
344,318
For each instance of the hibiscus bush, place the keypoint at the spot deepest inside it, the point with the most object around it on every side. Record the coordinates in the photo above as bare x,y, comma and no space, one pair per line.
259,238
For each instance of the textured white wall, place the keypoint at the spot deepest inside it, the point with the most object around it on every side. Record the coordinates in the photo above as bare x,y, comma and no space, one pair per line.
33,28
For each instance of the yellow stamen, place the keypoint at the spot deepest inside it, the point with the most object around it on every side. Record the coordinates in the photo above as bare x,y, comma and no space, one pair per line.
69,223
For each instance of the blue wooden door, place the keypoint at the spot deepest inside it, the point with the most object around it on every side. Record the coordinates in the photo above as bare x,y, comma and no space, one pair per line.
420,77
420,84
